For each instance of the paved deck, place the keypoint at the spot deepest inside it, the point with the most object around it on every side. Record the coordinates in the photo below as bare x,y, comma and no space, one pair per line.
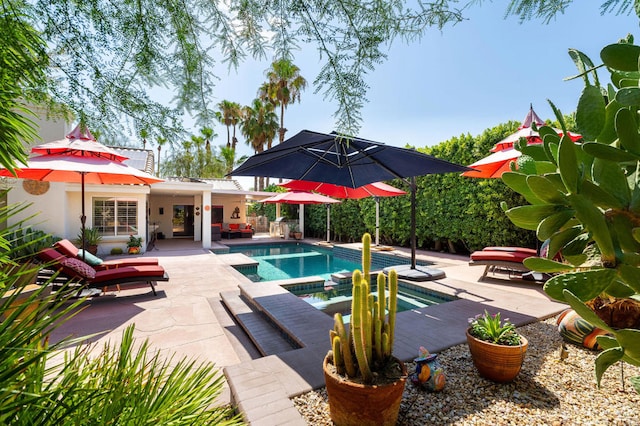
187,318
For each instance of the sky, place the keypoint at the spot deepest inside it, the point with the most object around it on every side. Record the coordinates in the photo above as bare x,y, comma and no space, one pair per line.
482,72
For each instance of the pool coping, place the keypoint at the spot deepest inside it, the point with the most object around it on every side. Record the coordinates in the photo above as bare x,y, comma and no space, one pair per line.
262,389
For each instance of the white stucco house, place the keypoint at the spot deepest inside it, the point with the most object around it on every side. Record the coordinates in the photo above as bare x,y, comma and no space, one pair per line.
175,208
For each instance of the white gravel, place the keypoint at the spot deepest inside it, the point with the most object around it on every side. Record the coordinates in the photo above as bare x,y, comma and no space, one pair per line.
548,391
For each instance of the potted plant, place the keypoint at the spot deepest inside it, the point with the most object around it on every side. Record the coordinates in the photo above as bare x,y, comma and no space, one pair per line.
584,198
134,244
364,380
297,234
496,347
92,239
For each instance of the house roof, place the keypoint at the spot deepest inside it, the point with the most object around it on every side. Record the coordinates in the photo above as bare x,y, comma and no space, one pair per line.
141,159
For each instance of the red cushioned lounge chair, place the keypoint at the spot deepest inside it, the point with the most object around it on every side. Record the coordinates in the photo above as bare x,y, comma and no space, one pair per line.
502,259
68,249
86,275
510,260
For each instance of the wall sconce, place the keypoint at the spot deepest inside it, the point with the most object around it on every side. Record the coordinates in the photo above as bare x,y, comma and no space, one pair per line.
236,213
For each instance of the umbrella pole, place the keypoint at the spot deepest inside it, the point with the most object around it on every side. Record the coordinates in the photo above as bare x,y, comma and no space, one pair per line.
377,220
328,222
83,218
413,222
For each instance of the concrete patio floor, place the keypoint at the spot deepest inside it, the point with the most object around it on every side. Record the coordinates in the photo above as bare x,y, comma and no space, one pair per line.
187,318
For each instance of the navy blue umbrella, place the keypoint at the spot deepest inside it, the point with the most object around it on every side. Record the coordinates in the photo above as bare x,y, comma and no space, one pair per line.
346,161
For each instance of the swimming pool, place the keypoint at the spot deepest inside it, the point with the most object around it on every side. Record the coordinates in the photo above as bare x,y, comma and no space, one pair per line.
332,299
294,260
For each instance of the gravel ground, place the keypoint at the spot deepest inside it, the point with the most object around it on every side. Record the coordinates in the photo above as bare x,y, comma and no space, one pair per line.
548,391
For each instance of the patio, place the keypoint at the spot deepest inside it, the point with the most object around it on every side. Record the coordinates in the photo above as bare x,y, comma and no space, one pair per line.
189,319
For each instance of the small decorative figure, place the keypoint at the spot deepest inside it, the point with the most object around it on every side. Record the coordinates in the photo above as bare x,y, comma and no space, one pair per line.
236,213
429,373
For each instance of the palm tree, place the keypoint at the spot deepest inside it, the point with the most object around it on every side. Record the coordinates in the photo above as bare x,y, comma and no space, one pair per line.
161,141
144,135
283,87
230,114
228,158
208,134
259,126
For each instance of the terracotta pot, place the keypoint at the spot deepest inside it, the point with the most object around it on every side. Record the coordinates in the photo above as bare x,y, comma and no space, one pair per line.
134,250
356,404
499,363
23,295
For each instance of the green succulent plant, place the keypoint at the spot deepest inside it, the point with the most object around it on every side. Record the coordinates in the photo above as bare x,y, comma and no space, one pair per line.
585,199
367,346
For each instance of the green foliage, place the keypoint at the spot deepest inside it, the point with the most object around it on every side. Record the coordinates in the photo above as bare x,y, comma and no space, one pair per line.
134,241
42,384
590,210
367,347
92,237
116,251
491,328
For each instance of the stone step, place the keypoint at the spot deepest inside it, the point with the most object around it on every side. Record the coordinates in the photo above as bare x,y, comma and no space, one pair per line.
265,336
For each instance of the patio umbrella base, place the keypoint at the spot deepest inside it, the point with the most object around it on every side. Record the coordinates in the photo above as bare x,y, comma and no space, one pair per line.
420,273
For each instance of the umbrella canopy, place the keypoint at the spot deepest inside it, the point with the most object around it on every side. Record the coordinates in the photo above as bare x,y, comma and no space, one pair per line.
79,142
504,153
79,158
299,197
71,169
331,158
375,189
494,165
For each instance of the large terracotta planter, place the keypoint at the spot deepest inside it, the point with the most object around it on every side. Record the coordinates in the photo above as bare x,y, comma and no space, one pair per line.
357,404
23,294
499,363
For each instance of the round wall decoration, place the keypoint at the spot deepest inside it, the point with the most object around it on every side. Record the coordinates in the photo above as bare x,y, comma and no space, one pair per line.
35,187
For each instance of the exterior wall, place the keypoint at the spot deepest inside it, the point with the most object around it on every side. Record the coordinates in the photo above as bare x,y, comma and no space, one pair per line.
229,203
58,210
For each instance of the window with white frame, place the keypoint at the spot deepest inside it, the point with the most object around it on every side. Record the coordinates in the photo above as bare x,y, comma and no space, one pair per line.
115,217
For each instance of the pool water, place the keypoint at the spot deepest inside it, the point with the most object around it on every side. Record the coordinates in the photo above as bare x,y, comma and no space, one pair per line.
293,260
286,261
334,299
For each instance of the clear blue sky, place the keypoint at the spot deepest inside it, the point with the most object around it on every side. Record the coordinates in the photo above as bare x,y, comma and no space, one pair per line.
482,72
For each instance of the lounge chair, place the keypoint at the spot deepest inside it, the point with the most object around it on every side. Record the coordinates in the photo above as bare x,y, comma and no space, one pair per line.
68,249
497,259
87,276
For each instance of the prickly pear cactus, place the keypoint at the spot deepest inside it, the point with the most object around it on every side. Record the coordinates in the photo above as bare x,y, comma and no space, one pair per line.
585,199
367,346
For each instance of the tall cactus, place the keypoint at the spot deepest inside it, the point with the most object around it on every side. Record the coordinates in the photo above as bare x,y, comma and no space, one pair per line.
368,347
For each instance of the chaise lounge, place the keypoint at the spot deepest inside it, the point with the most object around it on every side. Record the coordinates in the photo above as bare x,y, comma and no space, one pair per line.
502,259
68,249
87,276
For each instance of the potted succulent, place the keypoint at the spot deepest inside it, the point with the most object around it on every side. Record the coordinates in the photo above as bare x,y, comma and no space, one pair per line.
92,239
364,380
496,347
585,199
134,244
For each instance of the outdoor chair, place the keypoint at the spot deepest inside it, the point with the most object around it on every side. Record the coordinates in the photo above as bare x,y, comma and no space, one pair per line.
502,259
87,276
68,249
510,260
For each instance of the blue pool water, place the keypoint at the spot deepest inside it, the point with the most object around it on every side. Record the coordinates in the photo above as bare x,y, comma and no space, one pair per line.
287,260
337,298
